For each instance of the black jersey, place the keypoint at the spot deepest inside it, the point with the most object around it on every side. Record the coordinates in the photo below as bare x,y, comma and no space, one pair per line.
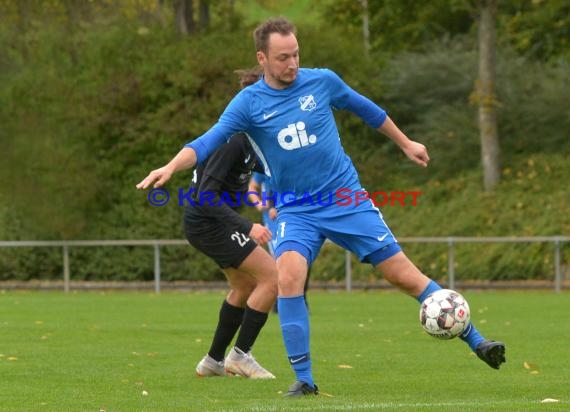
219,185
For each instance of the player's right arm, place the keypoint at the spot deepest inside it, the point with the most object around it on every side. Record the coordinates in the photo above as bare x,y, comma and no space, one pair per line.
232,121
194,152
185,159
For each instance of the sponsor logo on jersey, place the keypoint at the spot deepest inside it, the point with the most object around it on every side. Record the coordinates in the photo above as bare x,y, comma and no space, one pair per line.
294,136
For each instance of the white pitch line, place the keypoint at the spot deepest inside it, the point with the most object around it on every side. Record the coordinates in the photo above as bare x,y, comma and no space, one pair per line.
384,406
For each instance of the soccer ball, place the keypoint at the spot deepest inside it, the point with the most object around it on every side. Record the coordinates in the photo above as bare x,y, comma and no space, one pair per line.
444,314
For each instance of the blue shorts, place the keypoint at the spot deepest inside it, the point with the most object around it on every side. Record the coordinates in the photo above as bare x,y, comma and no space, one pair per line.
357,228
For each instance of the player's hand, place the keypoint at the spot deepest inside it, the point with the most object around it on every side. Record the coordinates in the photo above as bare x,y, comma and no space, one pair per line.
157,177
417,153
272,213
260,234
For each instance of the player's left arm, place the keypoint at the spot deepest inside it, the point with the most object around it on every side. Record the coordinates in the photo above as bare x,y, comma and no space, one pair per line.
415,151
376,117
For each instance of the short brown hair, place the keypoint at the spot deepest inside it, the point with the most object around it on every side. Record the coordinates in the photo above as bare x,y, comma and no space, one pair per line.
249,76
275,25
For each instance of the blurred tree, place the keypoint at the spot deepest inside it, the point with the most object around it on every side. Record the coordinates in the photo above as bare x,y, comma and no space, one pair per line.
398,25
536,28
204,15
366,27
184,13
409,25
485,95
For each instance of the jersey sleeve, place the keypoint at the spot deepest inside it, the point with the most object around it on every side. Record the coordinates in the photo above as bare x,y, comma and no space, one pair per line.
213,176
234,119
344,97
207,144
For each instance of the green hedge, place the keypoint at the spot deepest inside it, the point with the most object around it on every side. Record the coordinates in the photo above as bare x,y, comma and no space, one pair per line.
79,133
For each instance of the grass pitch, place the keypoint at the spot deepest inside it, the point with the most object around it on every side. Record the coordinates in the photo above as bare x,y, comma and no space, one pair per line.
117,351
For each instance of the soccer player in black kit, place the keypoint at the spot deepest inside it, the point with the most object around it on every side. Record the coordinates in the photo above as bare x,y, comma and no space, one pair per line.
213,225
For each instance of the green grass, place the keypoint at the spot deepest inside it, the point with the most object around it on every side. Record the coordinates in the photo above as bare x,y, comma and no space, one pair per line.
88,351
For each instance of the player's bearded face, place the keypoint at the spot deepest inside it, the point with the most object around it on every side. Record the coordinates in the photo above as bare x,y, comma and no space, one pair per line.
282,60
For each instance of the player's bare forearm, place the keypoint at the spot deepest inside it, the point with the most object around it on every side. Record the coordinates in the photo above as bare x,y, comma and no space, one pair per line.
185,159
260,234
254,197
415,151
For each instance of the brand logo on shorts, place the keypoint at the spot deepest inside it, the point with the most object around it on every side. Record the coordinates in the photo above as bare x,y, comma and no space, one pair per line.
294,136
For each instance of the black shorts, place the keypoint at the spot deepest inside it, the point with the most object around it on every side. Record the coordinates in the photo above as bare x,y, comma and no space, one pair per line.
225,244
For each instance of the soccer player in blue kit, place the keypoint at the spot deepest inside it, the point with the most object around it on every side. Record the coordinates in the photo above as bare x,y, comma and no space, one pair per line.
288,116
260,194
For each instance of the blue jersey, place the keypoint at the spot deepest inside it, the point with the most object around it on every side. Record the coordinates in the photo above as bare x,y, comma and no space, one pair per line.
294,133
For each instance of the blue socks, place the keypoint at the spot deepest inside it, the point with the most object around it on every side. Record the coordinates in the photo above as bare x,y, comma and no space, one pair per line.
430,288
294,319
471,336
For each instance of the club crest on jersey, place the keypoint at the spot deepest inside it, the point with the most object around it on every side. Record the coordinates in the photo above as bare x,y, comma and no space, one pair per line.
308,103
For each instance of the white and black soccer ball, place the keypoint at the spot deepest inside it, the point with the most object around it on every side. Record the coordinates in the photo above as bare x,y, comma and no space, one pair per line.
444,314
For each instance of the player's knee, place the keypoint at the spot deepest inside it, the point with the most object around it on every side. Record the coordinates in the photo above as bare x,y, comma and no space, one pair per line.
290,286
238,296
269,286
285,279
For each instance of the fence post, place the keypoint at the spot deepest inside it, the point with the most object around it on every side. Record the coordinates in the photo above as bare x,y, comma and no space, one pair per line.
66,273
450,263
557,269
156,268
348,270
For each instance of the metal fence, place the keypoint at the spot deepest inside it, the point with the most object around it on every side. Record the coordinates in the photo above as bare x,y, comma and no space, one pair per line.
451,242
